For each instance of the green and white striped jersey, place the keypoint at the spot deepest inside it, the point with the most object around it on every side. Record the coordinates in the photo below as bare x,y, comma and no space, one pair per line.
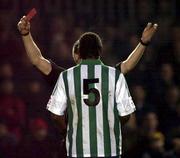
95,95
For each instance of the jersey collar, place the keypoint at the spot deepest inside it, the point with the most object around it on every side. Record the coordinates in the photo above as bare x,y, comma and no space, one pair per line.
91,61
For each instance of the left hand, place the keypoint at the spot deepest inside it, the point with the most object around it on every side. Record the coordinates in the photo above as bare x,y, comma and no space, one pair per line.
149,32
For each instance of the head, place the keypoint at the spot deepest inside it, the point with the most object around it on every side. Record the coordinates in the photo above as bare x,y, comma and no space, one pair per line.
39,129
90,46
7,87
139,93
75,52
6,70
35,87
3,128
172,95
150,121
167,72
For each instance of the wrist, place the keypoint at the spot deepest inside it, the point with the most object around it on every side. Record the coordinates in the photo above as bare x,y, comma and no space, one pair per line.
144,43
25,34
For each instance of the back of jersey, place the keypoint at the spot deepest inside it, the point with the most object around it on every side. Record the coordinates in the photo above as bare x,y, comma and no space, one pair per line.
96,96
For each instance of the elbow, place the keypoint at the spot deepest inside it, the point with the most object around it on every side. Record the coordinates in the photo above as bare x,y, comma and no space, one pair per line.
35,61
42,64
128,69
35,57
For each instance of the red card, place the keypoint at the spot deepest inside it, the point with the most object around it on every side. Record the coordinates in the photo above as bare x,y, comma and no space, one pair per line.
31,14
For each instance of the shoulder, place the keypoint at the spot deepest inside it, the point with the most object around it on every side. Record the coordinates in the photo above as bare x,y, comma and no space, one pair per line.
55,67
68,71
113,70
118,66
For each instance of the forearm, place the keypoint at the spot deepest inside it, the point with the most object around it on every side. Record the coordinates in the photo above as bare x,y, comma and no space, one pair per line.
125,119
32,49
35,55
136,55
133,58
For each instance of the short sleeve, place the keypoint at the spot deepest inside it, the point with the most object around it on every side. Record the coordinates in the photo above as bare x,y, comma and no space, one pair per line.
125,104
57,103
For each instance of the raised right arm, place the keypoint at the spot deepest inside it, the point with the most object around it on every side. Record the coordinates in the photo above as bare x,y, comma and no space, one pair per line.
32,49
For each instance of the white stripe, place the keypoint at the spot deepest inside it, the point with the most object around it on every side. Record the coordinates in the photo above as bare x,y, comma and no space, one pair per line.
67,141
70,78
111,109
120,139
99,114
85,113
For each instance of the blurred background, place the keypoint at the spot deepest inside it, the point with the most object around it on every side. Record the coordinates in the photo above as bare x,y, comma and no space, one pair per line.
26,130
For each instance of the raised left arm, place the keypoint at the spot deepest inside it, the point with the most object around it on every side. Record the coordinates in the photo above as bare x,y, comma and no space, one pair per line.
137,53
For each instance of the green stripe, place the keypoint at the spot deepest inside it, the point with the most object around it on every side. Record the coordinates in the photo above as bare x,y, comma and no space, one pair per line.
70,113
77,84
116,118
92,117
105,91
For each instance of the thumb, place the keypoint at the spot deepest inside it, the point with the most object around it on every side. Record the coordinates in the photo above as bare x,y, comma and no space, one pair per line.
149,25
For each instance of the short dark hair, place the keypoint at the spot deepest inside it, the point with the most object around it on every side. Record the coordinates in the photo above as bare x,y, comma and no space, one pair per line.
90,45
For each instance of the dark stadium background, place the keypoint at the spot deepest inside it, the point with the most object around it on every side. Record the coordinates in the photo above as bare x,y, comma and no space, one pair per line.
26,130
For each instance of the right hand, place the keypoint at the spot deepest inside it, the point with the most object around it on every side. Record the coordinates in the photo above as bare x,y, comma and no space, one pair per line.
23,26
149,32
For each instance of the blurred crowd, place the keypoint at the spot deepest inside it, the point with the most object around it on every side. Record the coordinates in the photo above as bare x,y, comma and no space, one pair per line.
26,130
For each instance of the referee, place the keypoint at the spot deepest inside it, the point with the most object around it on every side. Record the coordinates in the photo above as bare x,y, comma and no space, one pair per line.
52,71
96,96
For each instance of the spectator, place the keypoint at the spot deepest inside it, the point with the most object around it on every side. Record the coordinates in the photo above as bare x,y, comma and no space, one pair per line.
168,111
36,99
155,148
130,138
175,152
148,127
165,81
6,71
12,108
176,58
139,96
8,142
38,144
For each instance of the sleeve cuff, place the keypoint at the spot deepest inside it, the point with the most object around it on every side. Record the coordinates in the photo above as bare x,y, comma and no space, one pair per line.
54,111
127,112
126,107
53,107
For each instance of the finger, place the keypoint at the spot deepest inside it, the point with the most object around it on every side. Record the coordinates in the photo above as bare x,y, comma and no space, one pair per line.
27,27
24,18
154,29
149,25
155,26
22,28
22,24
